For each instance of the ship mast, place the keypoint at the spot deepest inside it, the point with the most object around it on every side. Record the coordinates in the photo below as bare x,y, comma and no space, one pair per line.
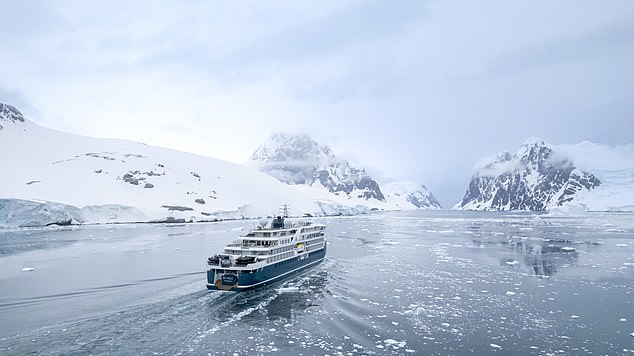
284,210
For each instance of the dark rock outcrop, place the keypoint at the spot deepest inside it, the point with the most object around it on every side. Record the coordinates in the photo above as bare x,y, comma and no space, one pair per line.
9,114
298,159
534,179
176,207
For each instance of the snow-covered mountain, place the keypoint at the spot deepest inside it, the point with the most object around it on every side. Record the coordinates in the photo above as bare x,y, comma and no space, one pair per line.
298,159
52,177
404,194
49,176
542,177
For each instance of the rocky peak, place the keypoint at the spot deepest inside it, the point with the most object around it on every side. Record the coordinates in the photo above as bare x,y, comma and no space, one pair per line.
537,155
535,178
298,159
10,114
533,151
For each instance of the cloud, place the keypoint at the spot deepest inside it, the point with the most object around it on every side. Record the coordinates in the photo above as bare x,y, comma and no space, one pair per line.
419,90
18,100
591,156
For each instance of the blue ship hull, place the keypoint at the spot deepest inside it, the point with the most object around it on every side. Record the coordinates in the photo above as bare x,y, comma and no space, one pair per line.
265,275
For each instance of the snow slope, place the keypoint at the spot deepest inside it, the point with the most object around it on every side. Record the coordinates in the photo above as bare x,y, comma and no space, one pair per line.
52,177
407,194
49,176
614,166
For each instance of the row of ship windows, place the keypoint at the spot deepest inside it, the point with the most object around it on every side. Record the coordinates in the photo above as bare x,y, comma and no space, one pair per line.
282,233
284,241
258,243
292,232
232,271
313,245
289,248
282,249
287,255
280,257
310,236
273,251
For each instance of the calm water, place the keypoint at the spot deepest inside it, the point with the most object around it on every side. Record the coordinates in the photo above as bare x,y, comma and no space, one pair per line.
396,283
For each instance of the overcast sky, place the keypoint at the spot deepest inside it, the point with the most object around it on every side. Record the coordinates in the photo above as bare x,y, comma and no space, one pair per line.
419,90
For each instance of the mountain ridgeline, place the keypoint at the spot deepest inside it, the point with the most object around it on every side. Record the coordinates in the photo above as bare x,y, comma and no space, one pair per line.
300,160
58,178
536,178
53,177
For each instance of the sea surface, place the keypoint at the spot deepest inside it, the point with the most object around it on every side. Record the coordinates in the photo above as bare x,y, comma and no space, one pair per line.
403,283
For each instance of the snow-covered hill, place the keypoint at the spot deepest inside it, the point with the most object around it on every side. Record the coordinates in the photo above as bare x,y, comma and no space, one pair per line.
52,177
613,166
49,176
300,160
406,194
543,177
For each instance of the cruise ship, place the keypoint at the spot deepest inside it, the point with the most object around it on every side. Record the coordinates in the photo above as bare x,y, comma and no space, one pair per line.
266,255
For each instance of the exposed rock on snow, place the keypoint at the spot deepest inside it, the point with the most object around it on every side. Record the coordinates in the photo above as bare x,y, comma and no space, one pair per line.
413,193
88,180
9,115
91,180
176,208
534,179
298,159
564,179
301,161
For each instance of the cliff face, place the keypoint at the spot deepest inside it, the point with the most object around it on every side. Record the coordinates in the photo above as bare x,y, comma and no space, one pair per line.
536,178
298,159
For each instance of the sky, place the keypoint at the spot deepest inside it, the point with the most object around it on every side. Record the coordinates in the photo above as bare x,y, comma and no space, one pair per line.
414,90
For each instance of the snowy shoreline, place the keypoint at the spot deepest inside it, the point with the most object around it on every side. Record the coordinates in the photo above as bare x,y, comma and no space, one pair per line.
19,213
56,218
